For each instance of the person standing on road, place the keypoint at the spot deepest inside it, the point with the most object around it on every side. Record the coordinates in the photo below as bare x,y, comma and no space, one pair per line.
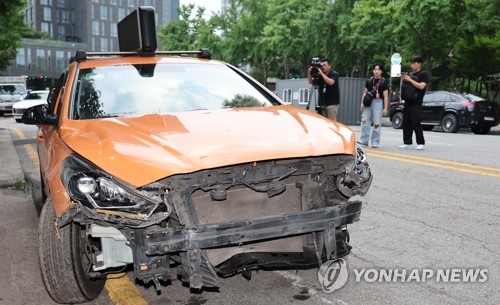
416,82
372,114
394,98
328,89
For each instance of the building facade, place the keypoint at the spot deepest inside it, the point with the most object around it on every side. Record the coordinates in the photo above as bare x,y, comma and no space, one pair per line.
75,25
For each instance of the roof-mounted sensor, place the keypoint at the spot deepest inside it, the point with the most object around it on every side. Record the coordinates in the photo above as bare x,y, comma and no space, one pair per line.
137,32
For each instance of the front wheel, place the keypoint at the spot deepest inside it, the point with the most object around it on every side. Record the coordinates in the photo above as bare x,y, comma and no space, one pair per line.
449,123
64,259
480,129
397,120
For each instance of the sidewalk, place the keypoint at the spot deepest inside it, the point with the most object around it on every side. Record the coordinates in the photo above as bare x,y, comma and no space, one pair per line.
18,233
11,170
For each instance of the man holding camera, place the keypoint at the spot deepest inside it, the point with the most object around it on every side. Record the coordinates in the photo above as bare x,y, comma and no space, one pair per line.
327,84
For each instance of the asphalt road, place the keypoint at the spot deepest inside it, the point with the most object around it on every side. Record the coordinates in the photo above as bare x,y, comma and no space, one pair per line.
436,209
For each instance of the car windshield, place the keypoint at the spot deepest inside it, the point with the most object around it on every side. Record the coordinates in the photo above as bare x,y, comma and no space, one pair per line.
12,89
130,90
36,96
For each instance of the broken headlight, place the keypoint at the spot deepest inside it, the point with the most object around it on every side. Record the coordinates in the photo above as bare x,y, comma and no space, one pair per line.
96,189
357,178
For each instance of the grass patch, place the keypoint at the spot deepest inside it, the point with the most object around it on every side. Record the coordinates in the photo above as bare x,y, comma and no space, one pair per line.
20,185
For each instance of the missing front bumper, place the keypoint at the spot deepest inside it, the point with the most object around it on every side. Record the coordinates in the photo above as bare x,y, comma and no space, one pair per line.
164,241
324,224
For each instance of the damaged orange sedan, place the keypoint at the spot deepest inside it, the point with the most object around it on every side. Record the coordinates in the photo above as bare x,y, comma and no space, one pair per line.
184,166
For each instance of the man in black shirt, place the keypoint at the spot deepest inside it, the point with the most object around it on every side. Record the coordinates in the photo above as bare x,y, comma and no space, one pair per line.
328,89
412,113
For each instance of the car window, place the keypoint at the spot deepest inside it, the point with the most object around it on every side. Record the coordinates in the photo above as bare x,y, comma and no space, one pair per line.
12,89
55,92
472,97
443,97
437,97
128,90
429,97
36,96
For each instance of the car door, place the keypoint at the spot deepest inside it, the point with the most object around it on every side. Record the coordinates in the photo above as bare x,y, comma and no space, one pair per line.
433,106
47,134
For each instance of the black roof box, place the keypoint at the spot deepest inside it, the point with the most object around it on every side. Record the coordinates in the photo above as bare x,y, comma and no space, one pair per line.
137,31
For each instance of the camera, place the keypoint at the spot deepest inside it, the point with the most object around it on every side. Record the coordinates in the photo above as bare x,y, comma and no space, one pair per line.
315,65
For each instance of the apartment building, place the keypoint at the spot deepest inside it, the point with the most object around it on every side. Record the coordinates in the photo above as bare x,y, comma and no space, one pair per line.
72,25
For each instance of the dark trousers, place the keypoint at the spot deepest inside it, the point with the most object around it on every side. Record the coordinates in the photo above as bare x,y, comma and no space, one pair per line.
412,117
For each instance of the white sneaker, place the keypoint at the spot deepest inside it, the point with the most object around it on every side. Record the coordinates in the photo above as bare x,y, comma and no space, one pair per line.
420,146
405,146
374,145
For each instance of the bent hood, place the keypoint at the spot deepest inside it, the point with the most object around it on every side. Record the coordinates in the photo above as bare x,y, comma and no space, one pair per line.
141,150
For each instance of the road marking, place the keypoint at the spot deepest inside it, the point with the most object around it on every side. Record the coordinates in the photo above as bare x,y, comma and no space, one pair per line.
445,164
32,154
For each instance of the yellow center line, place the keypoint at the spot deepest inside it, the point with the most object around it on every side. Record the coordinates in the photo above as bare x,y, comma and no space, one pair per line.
488,168
406,159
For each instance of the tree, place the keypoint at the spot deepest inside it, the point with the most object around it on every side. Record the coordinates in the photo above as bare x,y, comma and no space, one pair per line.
287,34
366,32
278,38
432,28
243,40
181,34
242,100
11,26
478,58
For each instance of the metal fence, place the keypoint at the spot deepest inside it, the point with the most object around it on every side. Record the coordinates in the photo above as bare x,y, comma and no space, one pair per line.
299,91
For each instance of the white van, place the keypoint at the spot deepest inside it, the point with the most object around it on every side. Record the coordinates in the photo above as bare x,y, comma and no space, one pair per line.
12,90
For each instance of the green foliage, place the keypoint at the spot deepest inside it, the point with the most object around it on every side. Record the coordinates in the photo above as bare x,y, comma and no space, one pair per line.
31,33
240,100
11,27
278,38
477,58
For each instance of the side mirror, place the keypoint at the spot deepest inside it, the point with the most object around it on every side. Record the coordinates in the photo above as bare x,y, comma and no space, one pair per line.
39,115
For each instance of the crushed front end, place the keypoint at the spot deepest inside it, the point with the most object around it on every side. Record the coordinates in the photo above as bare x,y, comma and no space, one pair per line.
287,213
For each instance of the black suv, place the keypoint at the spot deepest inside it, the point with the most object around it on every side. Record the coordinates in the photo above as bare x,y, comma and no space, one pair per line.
452,110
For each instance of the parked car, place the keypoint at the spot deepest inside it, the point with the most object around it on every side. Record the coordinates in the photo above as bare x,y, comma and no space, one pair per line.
10,93
451,111
163,161
34,98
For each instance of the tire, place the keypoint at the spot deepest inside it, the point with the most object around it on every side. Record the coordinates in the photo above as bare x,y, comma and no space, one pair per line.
397,120
480,129
62,260
449,123
19,120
